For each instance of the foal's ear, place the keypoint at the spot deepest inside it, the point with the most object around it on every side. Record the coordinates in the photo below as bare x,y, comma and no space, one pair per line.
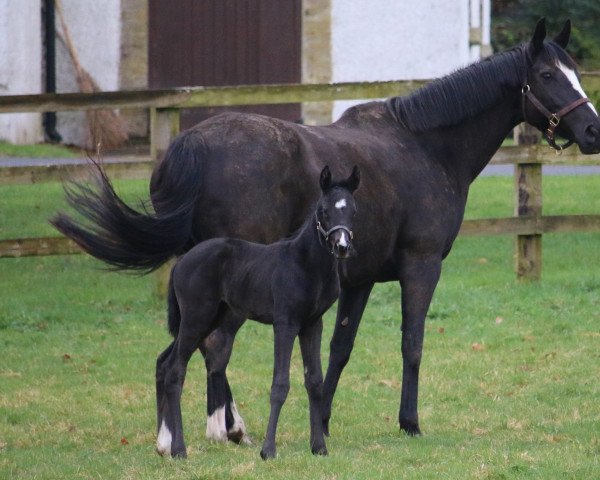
354,179
538,36
325,179
563,37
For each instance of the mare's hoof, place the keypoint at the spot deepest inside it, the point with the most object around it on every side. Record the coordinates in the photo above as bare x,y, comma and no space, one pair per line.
410,427
267,454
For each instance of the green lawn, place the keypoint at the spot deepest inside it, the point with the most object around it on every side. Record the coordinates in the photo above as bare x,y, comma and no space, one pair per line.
509,379
39,150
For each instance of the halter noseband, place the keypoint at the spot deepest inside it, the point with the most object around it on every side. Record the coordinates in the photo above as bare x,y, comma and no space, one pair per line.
553,118
326,233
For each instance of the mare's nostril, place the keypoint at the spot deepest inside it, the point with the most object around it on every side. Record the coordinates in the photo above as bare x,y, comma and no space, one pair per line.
593,132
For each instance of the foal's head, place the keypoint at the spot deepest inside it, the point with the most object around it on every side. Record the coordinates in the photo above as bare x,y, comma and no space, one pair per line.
335,211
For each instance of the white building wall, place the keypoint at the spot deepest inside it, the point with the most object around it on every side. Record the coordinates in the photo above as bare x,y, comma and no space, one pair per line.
377,40
20,66
95,29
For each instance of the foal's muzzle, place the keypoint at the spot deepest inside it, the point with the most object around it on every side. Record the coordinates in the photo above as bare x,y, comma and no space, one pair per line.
338,240
340,243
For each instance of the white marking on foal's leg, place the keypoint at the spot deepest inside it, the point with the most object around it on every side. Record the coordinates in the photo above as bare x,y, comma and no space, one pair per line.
163,440
572,77
340,204
238,428
215,426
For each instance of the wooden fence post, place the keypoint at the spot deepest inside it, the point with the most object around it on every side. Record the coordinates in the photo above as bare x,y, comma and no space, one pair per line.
528,203
164,127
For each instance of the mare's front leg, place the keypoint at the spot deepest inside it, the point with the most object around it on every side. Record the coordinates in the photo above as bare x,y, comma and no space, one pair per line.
285,334
418,276
310,345
223,419
351,305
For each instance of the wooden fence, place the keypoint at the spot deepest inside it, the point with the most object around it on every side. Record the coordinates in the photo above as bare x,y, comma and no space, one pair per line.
527,225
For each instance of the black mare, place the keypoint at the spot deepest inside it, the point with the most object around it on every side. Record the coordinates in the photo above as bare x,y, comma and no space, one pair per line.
249,176
288,284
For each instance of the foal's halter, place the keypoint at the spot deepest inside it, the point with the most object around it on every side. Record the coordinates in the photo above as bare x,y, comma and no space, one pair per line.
553,118
327,233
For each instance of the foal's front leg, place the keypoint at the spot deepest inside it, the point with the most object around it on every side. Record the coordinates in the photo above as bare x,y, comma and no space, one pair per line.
284,343
310,345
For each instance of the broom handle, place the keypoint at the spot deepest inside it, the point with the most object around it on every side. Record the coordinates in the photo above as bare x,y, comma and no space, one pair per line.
66,38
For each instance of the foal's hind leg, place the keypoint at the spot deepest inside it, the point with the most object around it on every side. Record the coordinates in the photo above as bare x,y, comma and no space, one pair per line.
170,375
223,422
164,436
310,345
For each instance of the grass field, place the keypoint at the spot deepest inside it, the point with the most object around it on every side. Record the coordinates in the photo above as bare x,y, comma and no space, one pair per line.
509,379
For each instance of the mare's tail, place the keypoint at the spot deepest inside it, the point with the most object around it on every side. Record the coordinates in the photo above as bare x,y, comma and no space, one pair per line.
174,314
128,239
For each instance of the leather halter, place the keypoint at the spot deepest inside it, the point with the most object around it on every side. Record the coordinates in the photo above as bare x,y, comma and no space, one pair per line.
553,118
327,233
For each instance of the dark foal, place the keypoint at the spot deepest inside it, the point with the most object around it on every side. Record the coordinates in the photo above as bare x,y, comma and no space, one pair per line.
288,284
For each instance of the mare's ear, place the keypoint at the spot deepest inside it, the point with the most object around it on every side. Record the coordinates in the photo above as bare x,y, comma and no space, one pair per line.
354,179
563,37
539,35
325,179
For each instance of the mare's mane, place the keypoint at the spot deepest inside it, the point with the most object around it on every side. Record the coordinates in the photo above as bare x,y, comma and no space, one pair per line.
467,92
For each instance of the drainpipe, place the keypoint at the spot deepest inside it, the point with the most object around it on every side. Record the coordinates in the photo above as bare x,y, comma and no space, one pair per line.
50,54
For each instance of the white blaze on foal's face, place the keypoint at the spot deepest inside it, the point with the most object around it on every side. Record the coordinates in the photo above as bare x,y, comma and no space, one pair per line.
343,241
572,77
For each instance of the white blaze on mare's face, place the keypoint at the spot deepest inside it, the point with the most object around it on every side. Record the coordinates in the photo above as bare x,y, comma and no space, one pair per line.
163,441
572,77
340,204
215,426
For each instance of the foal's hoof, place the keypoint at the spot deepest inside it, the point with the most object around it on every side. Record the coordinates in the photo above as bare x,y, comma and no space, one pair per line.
322,451
239,437
410,427
181,453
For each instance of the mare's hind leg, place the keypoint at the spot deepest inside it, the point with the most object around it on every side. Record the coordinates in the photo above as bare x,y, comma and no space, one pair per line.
351,305
310,345
170,374
224,421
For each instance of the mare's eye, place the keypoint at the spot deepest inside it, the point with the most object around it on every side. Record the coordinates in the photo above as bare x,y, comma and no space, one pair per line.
546,75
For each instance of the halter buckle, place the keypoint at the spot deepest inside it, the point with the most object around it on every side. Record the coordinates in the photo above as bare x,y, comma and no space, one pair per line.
554,120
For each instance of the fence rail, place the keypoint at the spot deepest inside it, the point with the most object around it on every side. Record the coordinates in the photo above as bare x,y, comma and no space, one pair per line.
164,105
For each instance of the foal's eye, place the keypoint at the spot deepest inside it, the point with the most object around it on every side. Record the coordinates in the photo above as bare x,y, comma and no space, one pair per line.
546,75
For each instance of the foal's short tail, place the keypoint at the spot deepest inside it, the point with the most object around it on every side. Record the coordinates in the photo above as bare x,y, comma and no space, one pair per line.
128,239
174,314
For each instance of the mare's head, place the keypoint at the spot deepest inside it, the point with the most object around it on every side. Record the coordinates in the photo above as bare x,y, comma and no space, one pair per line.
553,99
335,212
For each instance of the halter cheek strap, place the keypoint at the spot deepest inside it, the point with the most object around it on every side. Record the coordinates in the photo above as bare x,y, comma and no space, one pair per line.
553,118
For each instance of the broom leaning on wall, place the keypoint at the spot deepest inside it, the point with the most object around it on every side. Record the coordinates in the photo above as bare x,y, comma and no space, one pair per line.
106,127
